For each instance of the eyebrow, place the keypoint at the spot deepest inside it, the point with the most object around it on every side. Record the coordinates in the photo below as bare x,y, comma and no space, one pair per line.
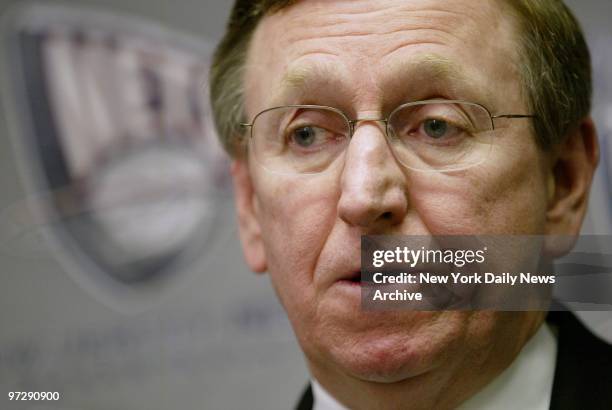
434,64
425,72
299,81
435,72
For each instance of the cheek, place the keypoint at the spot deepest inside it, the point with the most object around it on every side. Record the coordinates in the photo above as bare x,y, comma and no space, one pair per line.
506,195
296,216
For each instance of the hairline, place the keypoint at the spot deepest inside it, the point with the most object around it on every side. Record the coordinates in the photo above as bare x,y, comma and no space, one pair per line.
545,87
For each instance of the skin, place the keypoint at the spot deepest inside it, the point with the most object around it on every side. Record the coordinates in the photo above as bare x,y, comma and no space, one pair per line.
366,57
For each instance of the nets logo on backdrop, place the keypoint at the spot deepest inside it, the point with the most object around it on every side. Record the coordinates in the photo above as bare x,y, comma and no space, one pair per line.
115,132
600,203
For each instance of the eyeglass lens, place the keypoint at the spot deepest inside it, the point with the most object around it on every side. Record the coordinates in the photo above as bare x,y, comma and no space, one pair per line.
430,135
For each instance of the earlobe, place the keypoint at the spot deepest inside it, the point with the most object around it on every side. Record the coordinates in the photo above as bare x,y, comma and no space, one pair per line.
570,180
248,222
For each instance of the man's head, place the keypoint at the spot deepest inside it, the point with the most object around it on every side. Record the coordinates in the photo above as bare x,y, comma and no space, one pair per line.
365,58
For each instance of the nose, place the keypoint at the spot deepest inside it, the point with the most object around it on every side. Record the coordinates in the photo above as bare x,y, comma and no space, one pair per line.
373,184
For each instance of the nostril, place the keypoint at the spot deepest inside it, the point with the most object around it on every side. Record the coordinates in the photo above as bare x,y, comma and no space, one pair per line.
387,215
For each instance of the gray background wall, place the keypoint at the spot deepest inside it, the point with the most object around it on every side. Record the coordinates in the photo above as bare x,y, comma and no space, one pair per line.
217,341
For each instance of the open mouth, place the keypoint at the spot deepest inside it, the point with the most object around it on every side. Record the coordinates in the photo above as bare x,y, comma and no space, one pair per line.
353,279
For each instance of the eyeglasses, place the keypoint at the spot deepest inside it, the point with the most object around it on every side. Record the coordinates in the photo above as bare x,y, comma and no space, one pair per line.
430,135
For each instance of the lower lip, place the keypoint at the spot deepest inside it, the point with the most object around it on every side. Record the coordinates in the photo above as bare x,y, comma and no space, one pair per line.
349,285
349,289
348,282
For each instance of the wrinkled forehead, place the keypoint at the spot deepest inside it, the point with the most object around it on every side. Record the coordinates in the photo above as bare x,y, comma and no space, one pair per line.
372,53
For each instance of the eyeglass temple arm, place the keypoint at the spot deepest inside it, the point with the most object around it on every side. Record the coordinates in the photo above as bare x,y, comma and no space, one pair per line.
513,116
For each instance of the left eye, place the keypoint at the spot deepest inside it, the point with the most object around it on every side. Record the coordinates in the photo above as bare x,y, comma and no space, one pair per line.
435,128
305,136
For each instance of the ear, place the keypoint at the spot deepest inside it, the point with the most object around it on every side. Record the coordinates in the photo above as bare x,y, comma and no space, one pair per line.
247,212
570,176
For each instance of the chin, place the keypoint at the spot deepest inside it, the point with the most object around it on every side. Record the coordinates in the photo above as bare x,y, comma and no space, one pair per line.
386,354
385,366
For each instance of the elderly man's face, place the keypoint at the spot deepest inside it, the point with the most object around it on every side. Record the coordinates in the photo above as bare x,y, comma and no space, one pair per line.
367,57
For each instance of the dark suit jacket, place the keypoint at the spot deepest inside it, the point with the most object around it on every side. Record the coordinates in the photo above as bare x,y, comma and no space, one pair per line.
583,373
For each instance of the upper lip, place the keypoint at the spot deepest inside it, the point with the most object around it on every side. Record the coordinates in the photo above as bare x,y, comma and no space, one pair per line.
345,266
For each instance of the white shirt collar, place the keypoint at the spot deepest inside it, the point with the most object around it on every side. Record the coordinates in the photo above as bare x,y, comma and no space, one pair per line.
526,384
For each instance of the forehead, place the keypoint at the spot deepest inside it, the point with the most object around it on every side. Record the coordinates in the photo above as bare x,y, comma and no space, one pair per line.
365,51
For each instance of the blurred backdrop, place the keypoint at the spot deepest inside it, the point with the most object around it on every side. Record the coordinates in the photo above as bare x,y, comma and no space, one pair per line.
122,280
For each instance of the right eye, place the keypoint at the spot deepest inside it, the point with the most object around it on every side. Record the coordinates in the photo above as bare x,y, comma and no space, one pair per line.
309,137
305,136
